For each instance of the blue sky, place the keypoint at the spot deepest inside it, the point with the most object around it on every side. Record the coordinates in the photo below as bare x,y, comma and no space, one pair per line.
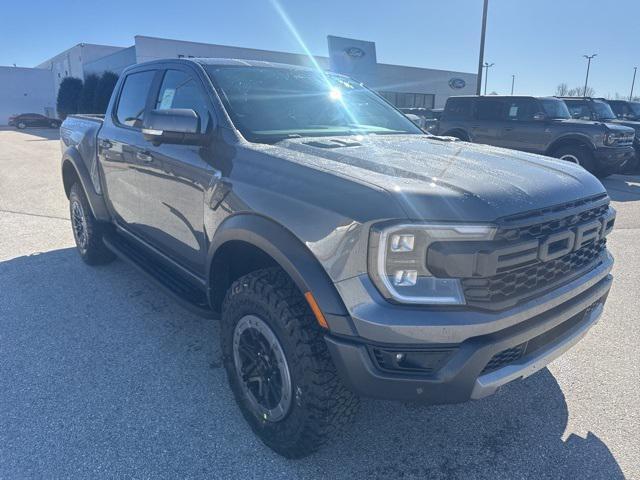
540,41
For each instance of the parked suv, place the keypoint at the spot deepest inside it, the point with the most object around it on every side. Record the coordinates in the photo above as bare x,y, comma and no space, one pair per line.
25,120
539,125
628,114
345,252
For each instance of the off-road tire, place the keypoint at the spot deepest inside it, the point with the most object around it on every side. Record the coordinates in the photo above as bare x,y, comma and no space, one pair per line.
583,156
321,404
92,250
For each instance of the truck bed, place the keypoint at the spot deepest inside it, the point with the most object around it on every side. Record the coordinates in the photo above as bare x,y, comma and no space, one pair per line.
81,132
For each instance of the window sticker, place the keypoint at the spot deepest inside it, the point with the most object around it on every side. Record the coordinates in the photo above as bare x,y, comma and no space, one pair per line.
167,99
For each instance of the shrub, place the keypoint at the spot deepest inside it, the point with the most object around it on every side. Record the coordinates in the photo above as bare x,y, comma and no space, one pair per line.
68,96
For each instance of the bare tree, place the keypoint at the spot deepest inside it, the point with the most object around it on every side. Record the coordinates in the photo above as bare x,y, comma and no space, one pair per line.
561,90
579,92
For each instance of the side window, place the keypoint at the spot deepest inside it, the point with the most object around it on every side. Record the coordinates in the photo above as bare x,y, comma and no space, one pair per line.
521,109
458,108
134,98
618,108
180,90
579,110
490,109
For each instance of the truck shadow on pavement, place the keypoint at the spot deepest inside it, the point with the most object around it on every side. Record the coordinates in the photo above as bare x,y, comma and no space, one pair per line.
106,377
623,188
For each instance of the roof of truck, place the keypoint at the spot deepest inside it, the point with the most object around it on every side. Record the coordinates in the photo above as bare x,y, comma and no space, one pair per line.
224,61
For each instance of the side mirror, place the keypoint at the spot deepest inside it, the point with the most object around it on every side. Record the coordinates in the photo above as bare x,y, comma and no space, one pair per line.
173,125
539,116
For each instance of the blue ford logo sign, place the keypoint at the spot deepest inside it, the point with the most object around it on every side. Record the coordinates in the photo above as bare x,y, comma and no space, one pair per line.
457,83
354,52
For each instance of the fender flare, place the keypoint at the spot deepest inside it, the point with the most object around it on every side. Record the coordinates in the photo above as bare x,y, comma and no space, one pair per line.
97,202
576,137
287,251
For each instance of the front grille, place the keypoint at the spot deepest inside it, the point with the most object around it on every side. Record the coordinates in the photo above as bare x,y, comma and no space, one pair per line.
510,284
527,281
539,230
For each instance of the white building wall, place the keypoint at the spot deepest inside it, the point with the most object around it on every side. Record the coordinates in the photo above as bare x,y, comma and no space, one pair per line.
393,78
151,48
116,62
70,63
399,78
25,90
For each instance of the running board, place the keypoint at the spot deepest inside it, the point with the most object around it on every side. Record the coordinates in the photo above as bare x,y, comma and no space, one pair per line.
187,295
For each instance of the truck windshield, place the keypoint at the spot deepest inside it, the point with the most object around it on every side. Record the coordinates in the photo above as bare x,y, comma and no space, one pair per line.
555,109
635,108
270,104
603,110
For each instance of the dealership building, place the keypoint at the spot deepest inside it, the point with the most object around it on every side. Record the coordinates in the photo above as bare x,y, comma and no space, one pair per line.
34,90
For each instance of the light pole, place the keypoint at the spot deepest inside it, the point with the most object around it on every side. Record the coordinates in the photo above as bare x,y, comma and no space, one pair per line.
513,81
481,56
487,66
586,80
633,82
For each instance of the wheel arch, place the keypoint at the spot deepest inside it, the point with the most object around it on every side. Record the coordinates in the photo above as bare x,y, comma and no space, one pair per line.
75,170
267,243
570,141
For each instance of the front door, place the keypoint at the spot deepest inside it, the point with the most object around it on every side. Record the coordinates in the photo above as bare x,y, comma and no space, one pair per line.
174,178
121,146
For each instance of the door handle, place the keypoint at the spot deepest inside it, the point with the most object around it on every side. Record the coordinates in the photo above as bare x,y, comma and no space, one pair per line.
144,157
509,129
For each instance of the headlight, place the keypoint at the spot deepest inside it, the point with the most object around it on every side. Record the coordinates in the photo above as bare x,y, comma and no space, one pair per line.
610,138
398,261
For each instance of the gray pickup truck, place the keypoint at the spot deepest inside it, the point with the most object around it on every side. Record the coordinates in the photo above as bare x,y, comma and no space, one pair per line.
540,125
346,252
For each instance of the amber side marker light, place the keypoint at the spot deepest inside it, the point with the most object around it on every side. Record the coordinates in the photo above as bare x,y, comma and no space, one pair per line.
316,310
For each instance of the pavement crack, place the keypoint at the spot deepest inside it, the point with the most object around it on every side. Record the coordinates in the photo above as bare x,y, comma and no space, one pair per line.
15,212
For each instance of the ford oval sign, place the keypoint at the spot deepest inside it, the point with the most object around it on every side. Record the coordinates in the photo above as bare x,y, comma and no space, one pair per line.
457,83
354,52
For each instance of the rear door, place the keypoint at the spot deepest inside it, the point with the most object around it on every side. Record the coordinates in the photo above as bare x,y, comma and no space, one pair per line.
173,181
121,148
489,121
521,131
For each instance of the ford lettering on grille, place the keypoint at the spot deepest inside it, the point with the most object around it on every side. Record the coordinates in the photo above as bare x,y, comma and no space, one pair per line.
486,259
546,249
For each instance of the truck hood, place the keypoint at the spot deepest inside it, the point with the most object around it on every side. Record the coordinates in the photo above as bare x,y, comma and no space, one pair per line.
613,125
627,123
440,179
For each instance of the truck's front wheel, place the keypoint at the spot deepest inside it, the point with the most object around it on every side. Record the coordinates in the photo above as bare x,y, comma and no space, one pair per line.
578,155
278,365
87,231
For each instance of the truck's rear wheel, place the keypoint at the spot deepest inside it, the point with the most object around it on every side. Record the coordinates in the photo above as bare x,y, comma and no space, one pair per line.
87,231
278,365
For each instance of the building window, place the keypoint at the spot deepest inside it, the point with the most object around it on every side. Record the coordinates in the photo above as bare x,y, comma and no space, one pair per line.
408,100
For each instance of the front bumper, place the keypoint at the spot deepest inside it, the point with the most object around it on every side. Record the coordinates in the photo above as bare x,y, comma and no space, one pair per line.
613,158
552,323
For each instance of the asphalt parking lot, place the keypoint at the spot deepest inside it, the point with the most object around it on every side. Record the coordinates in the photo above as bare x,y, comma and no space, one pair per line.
102,376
